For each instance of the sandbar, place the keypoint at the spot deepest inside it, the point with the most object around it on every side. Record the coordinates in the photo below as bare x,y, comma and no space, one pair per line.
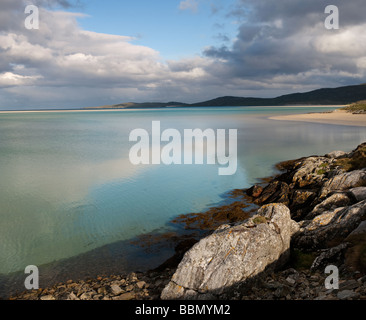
338,117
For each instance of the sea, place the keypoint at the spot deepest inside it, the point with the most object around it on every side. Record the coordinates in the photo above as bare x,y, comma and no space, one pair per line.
73,204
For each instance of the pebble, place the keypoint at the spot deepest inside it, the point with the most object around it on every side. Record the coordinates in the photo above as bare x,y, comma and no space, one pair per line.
134,286
130,287
283,285
48,297
141,284
291,281
346,294
125,296
116,289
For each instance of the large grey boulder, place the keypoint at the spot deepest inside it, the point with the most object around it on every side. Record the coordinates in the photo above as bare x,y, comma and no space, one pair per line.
344,181
233,254
329,225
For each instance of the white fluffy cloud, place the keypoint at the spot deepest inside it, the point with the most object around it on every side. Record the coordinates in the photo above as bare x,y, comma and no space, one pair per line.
281,46
60,57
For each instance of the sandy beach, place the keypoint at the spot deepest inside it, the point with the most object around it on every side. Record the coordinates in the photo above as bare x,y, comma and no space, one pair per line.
338,117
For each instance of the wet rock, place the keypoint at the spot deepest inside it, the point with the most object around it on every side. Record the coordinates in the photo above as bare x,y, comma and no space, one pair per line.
275,192
255,191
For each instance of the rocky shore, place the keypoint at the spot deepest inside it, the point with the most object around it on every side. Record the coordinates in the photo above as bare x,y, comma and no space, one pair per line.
133,286
310,216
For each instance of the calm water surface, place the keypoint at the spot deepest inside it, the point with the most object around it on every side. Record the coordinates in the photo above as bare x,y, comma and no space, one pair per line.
71,200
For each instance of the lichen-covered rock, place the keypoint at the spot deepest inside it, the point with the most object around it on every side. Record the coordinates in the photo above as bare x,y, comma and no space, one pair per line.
333,224
335,154
336,200
344,181
276,192
309,173
234,254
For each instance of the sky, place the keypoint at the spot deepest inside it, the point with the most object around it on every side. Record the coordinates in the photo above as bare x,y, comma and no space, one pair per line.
92,53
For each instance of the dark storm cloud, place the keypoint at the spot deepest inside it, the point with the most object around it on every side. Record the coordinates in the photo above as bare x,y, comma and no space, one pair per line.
288,38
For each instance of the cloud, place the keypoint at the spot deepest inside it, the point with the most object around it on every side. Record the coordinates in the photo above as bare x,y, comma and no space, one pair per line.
281,46
61,62
191,5
9,79
285,42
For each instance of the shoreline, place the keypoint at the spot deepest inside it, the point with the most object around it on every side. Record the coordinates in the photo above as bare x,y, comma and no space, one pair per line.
299,278
136,109
337,117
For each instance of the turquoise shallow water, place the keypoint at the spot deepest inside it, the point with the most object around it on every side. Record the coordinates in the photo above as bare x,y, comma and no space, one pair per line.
67,186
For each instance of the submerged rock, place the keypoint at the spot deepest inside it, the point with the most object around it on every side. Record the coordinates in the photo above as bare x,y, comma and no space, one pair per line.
232,255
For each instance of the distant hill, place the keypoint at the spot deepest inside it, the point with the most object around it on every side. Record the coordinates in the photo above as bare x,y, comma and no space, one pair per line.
326,96
132,105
